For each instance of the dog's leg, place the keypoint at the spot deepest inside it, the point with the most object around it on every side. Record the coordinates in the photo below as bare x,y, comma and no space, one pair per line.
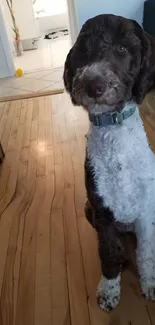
111,254
89,214
111,250
145,231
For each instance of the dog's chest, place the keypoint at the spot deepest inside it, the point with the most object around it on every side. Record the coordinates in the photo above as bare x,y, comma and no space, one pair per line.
124,168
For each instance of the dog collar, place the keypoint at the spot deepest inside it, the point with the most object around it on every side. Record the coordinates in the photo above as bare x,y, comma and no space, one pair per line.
111,118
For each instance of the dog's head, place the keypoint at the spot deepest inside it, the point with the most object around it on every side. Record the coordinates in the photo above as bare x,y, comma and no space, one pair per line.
110,64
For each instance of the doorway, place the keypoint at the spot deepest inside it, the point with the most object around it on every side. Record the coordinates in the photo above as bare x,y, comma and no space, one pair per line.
43,30
46,32
48,43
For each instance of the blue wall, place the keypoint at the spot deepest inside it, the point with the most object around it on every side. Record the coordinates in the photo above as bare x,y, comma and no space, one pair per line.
7,68
128,8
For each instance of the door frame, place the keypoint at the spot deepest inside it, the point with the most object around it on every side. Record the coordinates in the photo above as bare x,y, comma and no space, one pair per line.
73,20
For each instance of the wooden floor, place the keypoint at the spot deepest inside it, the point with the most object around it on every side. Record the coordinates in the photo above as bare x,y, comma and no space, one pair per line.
49,266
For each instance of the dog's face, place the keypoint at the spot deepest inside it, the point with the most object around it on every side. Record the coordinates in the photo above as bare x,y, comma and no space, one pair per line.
105,65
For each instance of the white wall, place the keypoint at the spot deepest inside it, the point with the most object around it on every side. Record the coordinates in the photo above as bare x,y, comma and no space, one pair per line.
47,23
26,21
53,15
50,7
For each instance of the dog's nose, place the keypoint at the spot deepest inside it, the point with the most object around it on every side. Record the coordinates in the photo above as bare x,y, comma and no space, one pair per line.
95,88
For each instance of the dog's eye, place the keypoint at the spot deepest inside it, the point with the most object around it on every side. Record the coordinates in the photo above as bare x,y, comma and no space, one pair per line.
121,49
85,53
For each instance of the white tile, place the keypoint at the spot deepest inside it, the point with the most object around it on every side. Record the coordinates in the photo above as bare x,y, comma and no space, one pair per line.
48,55
2,81
38,74
35,59
56,75
4,90
36,85
16,82
16,92
57,85
13,92
59,52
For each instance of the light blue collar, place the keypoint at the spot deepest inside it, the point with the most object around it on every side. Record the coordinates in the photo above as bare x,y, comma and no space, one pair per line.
105,119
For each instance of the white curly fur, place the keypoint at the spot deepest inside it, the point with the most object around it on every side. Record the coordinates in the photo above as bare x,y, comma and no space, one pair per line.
124,167
108,293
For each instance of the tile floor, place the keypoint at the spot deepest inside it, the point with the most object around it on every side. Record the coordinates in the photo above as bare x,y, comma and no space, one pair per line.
29,83
50,54
43,69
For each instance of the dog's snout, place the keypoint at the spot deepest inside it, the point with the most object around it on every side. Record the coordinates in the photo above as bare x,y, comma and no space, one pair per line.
95,88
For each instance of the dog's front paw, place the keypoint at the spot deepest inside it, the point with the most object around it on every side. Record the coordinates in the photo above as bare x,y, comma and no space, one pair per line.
148,290
108,293
107,303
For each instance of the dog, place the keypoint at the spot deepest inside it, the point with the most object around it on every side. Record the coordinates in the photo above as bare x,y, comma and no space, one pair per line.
109,70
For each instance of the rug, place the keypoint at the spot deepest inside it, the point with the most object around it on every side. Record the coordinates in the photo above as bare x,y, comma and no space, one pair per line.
56,34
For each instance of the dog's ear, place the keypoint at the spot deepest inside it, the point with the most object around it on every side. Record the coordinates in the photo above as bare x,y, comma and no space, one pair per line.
68,73
146,76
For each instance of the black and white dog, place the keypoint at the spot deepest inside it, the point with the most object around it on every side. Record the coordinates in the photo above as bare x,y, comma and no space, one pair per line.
108,71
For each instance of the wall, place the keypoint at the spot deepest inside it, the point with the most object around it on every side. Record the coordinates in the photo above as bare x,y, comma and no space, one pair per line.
25,19
50,7
8,22
7,68
51,14
47,23
130,8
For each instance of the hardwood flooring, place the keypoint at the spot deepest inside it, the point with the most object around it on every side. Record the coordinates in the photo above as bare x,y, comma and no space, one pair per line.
49,266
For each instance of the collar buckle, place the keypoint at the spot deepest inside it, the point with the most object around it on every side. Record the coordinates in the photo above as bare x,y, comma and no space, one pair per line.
98,121
117,118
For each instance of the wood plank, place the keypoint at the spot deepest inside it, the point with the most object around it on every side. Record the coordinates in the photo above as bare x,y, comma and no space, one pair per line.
57,156
26,293
4,119
24,107
41,139
27,129
76,277
12,263
44,277
60,303
12,179
24,154
6,167
13,133
7,129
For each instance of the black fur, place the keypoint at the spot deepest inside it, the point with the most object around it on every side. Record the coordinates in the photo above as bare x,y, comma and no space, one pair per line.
111,250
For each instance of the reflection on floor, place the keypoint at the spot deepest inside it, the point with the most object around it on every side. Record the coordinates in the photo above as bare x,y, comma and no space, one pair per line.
34,82
50,54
